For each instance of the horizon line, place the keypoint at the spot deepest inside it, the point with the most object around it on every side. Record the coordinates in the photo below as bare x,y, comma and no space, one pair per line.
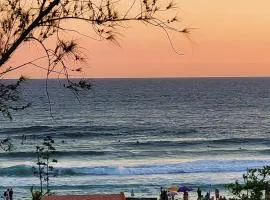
150,77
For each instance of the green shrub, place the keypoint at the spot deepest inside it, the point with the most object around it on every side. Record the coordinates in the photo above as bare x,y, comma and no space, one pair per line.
255,181
36,195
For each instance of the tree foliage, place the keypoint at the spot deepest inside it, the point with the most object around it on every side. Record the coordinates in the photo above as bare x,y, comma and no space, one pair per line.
255,181
38,21
10,98
44,169
36,194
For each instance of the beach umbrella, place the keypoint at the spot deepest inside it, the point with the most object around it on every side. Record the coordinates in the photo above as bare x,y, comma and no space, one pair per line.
184,189
173,188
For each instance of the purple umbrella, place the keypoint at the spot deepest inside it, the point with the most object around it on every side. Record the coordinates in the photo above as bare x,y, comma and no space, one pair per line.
184,189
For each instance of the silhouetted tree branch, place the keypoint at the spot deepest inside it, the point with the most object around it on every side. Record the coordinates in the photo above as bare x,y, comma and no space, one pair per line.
37,21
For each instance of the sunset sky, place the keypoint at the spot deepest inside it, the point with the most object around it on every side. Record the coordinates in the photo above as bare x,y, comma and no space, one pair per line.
230,38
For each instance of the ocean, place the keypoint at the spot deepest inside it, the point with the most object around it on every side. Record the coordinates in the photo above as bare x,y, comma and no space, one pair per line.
140,134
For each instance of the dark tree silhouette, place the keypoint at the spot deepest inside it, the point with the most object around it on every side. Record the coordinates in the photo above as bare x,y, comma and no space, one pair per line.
254,183
44,169
37,21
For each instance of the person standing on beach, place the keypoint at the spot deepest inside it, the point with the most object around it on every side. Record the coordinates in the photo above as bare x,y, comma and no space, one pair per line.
185,197
10,194
217,194
199,192
207,196
5,195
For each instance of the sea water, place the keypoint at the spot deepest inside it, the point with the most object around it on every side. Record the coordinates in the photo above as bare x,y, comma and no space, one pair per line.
140,134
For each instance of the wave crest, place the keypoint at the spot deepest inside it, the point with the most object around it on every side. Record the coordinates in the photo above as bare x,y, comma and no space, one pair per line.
205,166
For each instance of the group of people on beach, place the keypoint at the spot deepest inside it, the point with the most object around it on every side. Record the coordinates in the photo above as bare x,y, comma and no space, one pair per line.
164,195
207,196
8,194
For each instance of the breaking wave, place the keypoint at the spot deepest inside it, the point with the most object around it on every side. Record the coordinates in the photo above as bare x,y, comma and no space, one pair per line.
204,166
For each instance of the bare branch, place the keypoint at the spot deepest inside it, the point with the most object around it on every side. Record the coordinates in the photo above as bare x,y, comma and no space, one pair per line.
38,21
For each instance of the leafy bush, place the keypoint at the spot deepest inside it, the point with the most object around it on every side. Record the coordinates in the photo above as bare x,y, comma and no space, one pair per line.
255,181
36,195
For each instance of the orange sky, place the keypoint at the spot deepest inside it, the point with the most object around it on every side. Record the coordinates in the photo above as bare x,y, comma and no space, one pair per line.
232,38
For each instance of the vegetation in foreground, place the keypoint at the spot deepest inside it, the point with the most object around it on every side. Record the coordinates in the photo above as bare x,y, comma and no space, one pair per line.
44,167
254,186
46,23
